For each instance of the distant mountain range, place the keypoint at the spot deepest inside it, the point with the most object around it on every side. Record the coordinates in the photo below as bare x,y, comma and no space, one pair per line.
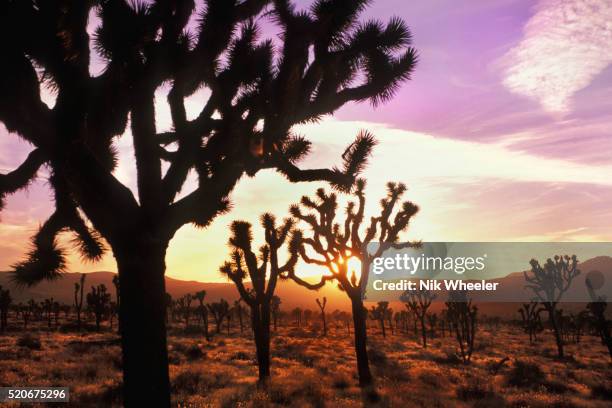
62,290
292,295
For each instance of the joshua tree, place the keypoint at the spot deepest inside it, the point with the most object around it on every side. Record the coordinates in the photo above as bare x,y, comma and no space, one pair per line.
47,307
202,311
389,317
98,301
56,308
219,310
239,313
322,307
245,264
418,302
549,283
5,303
334,243
326,59
297,315
597,307
184,307
27,311
379,313
530,318
462,316
275,309
78,298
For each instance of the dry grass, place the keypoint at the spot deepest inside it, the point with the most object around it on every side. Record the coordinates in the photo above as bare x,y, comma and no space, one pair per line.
308,372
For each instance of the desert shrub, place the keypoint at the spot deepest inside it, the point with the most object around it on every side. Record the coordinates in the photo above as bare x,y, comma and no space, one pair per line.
340,381
30,342
377,356
192,331
601,391
187,382
79,347
431,378
475,389
371,396
525,374
241,355
194,353
108,394
449,357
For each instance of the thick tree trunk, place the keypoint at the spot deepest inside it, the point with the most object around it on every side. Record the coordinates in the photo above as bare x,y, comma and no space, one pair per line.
359,324
261,331
143,326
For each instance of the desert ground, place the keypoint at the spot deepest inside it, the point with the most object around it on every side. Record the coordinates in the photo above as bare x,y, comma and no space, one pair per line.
309,370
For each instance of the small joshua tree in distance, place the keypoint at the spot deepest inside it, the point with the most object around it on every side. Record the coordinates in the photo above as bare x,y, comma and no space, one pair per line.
549,282
98,301
322,305
333,244
418,302
203,311
530,319
219,310
379,313
78,298
263,271
462,316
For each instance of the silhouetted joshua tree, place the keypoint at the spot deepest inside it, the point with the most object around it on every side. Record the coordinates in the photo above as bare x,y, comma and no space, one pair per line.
462,315
530,319
379,313
263,271
47,307
27,311
219,310
297,315
78,298
239,313
418,302
334,243
325,59
184,307
389,317
597,307
275,309
98,301
549,283
322,307
202,311
5,303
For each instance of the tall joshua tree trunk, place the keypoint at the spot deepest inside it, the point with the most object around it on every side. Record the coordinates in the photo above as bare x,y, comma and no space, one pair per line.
260,316
360,335
143,326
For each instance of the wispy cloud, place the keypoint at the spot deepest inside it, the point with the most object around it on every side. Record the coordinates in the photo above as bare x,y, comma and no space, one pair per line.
566,44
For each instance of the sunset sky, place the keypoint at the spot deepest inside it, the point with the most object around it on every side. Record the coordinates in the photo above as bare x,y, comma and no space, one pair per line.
503,134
